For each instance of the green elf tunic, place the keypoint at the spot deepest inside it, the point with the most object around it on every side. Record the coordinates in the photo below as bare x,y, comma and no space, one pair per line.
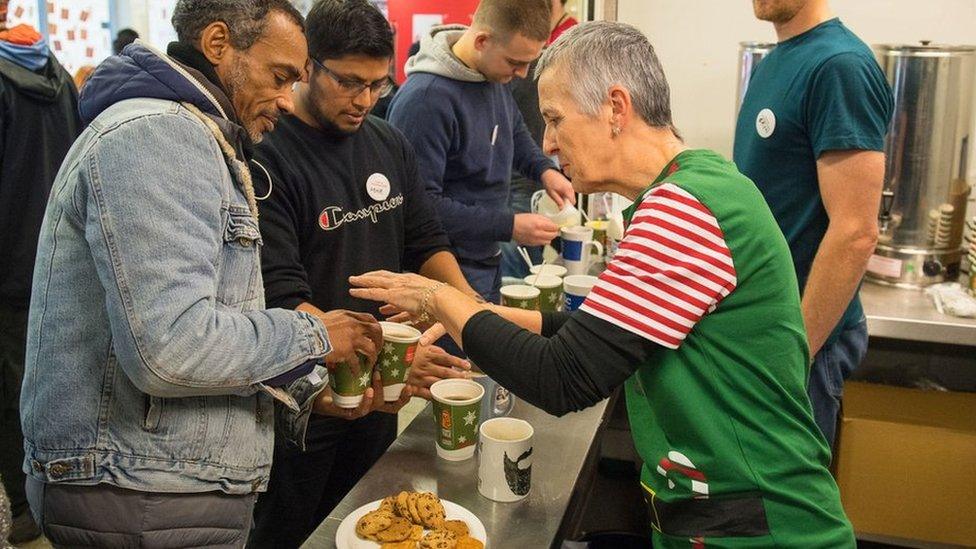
720,414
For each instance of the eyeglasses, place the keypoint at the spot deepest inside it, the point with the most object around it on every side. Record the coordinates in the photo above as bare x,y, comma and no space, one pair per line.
353,88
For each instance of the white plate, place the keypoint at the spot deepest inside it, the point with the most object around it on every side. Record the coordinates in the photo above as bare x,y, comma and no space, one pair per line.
346,537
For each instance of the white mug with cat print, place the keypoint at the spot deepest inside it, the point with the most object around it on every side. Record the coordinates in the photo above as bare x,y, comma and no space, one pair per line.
505,459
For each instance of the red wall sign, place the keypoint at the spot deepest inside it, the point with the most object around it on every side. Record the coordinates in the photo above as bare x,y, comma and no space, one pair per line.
401,17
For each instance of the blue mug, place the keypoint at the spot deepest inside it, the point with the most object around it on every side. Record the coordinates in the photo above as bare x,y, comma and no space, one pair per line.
497,402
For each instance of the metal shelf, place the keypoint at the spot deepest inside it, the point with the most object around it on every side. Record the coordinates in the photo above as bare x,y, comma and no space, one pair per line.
899,313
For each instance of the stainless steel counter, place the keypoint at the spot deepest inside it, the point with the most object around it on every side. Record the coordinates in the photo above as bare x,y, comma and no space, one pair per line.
561,449
899,313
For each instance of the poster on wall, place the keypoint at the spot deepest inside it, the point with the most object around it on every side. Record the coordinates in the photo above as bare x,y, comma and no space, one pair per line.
383,6
78,32
23,12
161,31
303,5
423,22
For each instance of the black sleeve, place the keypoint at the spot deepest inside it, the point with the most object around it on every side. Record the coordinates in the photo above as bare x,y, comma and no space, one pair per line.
552,322
424,234
575,368
285,281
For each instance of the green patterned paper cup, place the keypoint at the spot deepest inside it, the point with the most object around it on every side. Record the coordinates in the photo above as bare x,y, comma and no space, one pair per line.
521,296
457,407
347,387
549,269
396,357
599,227
551,291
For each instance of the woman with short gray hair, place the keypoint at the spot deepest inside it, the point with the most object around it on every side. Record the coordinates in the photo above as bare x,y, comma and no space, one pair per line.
697,314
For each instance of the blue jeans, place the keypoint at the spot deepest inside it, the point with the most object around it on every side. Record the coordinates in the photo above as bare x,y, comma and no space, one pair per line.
832,365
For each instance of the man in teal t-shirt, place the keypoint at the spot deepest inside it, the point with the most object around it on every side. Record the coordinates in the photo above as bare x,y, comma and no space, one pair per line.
810,134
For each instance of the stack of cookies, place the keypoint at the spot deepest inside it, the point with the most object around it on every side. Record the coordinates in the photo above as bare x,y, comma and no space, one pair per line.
408,518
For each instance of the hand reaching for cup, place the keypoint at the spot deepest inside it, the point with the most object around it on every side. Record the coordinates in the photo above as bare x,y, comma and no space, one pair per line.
350,334
404,291
531,229
432,364
559,189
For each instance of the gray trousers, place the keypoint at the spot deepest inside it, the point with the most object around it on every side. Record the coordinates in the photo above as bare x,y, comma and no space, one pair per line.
107,516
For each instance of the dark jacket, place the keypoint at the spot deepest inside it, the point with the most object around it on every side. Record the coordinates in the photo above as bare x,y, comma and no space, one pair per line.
38,123
468,134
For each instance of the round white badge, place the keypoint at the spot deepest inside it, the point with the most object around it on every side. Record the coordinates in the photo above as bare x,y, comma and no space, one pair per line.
765,123
378,187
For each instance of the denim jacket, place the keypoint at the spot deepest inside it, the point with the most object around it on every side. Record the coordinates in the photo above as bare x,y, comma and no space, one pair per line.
148,340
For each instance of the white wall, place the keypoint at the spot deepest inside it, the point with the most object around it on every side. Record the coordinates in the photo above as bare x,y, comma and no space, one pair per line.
697,42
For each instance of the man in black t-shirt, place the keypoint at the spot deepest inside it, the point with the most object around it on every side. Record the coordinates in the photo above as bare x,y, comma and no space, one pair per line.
345,199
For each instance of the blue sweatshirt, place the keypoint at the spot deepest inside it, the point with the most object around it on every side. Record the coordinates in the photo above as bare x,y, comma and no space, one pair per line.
468,134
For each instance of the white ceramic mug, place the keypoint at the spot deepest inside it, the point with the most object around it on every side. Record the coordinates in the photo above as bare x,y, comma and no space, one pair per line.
505,459
576,288
576,240
543,205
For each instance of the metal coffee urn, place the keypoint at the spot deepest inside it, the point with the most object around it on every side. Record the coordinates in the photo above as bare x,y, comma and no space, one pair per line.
928,152
750,54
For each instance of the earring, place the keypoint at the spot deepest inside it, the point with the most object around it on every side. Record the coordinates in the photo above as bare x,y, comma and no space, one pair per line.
615,131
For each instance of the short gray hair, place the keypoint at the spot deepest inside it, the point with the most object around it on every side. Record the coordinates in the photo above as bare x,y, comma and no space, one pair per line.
245,19
602,54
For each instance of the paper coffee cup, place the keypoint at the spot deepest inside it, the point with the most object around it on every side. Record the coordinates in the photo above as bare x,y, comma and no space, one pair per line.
505,459
396,357
457,409
576,288
549,269
348,386
550,291
521,296
599,227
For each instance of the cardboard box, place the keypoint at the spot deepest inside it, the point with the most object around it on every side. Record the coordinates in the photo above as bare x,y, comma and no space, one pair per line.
906,463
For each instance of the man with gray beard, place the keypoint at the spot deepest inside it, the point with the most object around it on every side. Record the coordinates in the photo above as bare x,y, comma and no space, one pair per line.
152,366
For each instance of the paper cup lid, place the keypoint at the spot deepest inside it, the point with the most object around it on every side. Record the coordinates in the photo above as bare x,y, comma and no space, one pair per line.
549,269
543,281
520,291
579,284
448,387
400,333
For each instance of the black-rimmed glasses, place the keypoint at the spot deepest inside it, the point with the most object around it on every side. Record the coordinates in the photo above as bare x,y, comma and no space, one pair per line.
353,88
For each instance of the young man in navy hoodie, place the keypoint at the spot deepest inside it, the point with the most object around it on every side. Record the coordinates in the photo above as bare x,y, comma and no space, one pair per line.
458,113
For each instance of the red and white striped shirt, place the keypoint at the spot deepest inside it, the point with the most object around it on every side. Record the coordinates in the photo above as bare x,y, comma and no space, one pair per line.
672,268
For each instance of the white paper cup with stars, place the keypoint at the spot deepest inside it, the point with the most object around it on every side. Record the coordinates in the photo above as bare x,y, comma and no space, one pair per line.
349,384
550,291
521,296
396,357
457,411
